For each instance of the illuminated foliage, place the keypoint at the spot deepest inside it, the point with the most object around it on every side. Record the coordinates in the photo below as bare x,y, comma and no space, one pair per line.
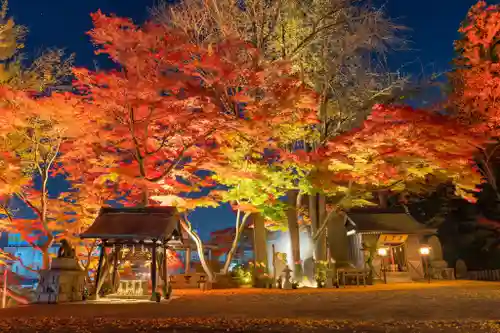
31,149
476,79
161,117
400,149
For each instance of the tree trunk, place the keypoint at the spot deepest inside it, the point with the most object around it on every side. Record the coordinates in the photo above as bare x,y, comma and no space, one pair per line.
145,197
383,198
45,258
186,225
320,213
45,249
239,230
338,243
293,230
313,216
260,241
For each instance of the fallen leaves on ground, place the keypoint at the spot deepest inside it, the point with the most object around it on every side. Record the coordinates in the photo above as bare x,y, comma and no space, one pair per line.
202,325
467,307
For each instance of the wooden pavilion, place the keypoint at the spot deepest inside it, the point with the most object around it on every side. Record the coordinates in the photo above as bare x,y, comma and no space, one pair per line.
153,229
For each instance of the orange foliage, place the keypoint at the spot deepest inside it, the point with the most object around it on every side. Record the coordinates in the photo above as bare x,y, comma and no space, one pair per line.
157,117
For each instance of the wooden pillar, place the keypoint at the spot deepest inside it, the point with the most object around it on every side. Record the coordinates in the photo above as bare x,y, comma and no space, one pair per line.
153,268
99,267
187,262
115,267
165,272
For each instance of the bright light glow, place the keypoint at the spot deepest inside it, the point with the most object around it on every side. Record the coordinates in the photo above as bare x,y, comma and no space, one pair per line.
232,266
351,232
282,244
308,284
382,251
425,250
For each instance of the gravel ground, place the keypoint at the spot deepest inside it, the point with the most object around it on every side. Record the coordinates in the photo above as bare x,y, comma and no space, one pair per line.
437,307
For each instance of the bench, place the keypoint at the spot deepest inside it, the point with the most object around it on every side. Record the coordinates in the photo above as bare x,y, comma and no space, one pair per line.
359,275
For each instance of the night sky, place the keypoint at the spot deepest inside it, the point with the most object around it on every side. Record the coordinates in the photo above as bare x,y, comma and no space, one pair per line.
62,23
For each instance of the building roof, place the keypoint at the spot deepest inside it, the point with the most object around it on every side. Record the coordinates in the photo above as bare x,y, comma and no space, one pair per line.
395,221
135,224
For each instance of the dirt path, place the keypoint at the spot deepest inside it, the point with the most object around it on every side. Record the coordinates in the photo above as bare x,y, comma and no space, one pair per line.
438,307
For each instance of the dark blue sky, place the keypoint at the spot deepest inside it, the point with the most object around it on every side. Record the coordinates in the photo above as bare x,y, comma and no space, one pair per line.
63,23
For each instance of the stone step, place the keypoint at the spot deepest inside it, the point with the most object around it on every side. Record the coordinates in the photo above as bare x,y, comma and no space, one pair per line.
398,277
395,277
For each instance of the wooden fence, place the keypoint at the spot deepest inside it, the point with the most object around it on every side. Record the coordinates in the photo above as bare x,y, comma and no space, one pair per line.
485,275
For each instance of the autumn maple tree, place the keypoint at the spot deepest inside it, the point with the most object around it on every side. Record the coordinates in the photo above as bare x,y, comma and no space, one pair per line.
171,102
475,89
475,82
29,136
397,149
31,149
251,186
330,45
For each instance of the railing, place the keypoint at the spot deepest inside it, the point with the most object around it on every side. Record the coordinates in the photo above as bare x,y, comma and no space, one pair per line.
484,275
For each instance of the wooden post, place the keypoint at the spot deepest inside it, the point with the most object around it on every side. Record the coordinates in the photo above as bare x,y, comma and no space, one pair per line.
165,272
153,268
4,296
115,268
99,267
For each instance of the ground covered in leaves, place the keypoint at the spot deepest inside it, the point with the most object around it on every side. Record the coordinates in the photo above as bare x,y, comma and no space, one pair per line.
439,307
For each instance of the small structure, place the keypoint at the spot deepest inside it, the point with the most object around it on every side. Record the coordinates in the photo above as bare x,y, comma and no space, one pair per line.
64,281
287,278
397,232
150,231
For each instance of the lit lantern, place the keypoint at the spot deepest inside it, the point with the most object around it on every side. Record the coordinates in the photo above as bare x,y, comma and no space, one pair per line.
382,252
425,250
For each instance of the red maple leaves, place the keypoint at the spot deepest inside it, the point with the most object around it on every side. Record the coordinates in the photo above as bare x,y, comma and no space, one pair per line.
160,115
476,81
172,108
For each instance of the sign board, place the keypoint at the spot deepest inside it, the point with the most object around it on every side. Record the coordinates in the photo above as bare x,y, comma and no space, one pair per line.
392,239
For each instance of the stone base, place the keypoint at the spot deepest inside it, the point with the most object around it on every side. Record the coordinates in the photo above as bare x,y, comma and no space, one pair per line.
46,298
61,285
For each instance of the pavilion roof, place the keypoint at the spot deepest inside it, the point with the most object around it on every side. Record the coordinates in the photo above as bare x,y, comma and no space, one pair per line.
391,221
135,224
